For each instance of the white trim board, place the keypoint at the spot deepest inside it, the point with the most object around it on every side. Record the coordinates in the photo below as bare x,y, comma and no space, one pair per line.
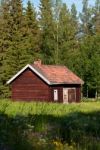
33,69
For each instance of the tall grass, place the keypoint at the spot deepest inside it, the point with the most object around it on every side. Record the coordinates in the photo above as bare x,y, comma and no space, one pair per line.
44,126
55,109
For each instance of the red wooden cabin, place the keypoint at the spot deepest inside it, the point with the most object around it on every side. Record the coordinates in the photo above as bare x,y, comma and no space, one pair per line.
50,83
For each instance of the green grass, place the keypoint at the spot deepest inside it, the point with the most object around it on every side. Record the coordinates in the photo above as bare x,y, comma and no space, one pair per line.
44,126
55,109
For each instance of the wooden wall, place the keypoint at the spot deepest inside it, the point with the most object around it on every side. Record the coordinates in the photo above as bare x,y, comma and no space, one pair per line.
28,86
60,91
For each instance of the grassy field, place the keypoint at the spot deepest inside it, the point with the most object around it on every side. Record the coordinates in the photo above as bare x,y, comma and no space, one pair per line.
47,126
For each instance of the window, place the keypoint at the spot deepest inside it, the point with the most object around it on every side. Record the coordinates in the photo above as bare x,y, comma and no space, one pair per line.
55,95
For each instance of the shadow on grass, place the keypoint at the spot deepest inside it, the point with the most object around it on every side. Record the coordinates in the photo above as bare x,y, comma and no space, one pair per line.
39,131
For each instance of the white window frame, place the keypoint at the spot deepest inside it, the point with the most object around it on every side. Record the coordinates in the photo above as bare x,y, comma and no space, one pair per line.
55,93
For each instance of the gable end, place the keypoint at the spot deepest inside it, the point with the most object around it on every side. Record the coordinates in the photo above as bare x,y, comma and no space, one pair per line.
33,70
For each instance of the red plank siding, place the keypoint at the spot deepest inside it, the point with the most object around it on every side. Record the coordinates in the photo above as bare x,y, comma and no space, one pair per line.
28,86
78,94
60,92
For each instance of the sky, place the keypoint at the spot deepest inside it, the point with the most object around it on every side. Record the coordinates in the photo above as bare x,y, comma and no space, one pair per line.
78,3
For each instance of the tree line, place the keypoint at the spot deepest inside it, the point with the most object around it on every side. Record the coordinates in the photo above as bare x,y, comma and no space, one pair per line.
53,33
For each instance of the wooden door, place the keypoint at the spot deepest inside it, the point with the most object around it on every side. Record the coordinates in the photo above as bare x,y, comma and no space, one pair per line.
65,95
71,95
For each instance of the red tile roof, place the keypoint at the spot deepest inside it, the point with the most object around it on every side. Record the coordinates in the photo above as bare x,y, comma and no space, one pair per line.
57,74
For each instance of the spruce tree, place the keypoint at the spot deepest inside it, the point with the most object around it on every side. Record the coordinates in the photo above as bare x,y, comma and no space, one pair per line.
96,18
57,5
19,40
16,56
67,42
32,32
5,39
90,63
90,49
86,18
47,31
74,12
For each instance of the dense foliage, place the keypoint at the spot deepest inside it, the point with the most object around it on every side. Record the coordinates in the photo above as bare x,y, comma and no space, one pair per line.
46,126
53,33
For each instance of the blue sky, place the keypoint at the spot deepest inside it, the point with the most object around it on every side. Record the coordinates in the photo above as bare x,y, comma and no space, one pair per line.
68,2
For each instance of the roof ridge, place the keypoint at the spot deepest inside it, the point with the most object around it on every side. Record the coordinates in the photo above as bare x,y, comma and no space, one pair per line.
49,65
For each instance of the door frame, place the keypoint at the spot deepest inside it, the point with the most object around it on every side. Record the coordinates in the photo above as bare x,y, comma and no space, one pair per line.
67,93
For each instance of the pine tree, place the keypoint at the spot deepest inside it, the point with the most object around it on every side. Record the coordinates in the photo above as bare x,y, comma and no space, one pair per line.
86,19
74,19
67,42
19,40
47,31
15,26
96,18
90,63
4,42
74,13
32,32
90,49
57,5
16,56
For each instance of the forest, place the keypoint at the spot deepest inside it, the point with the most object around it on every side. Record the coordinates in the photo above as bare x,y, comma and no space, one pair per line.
53,33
